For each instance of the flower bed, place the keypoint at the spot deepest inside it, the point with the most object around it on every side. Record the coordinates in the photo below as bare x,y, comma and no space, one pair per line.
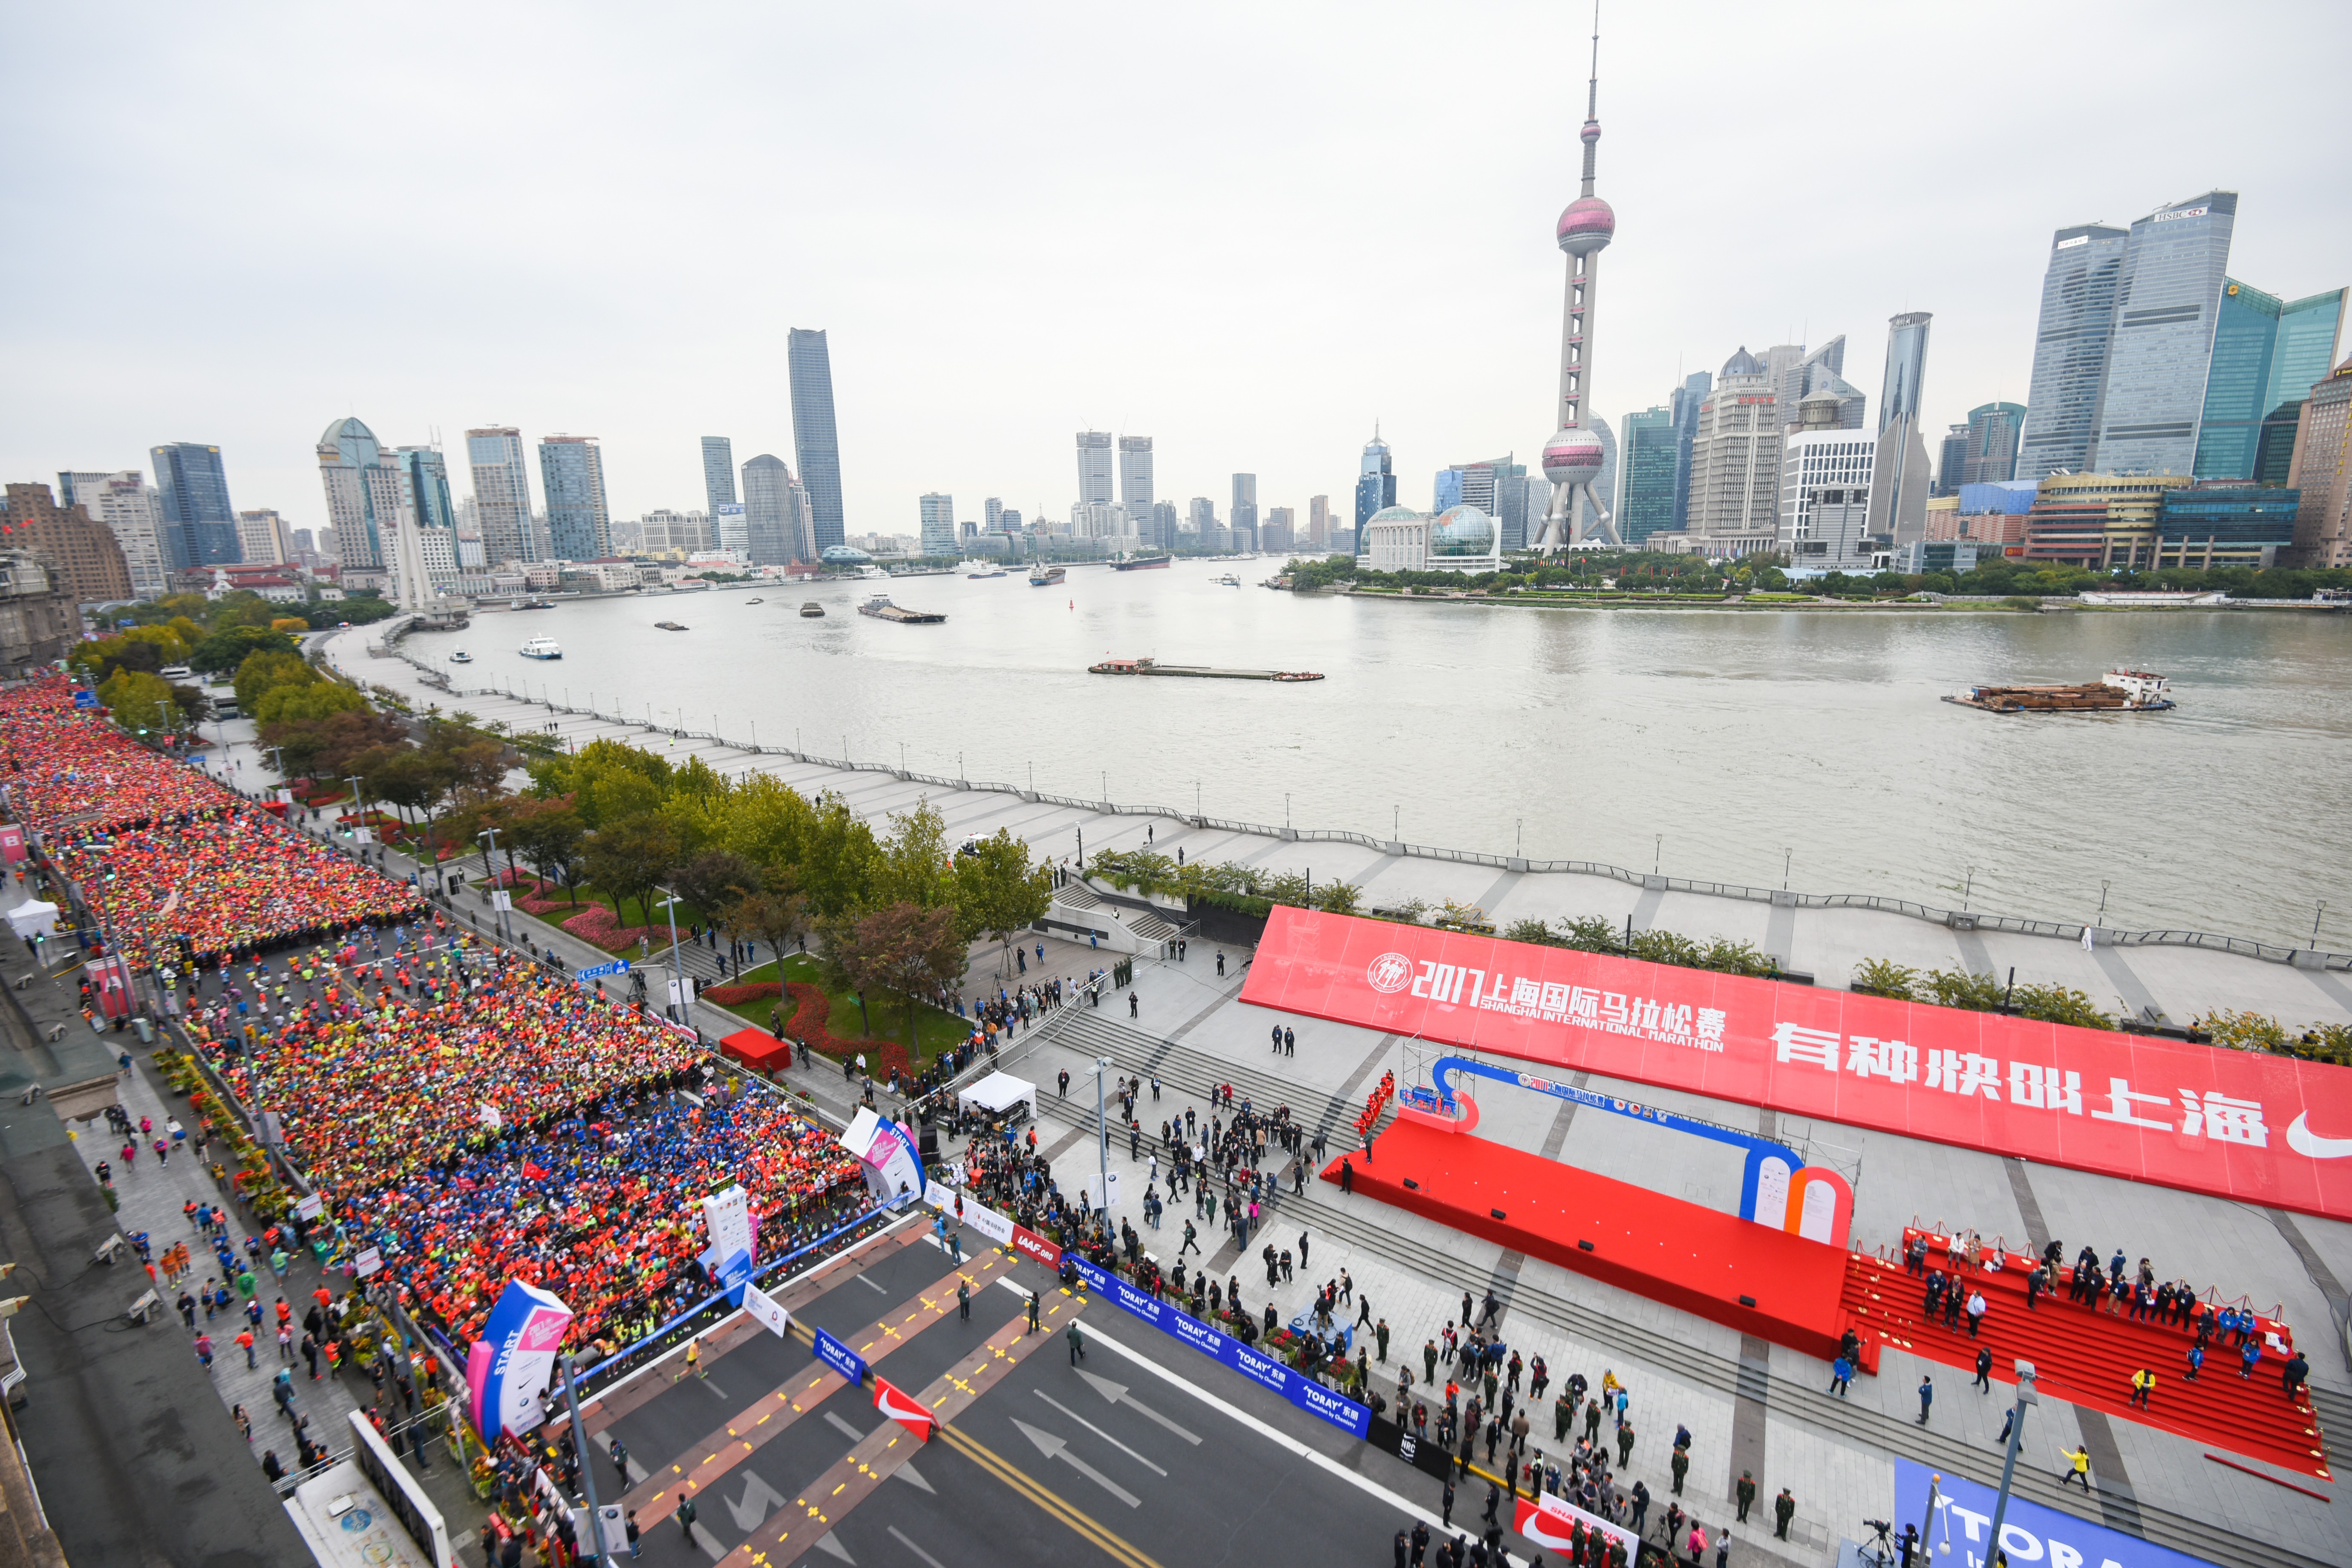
808,1024
733,995
600,926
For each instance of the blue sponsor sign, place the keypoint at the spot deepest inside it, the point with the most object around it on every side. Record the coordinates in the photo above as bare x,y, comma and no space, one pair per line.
840,1357
85,699
1262,1370
618,966
1962,1526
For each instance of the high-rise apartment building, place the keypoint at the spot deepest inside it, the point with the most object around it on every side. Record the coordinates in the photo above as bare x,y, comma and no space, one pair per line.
1645,491
1202,518
1375,484
1735,492
1683,405
1319,521
132,510
2070,350
1242,518
2268,353
2321,473
1095,469
262,537
771,511
363,495
2174,268
1135,475
815,441
427,511
718,472
198,513
81,553
992,515
1899,471
501,494
572,479
938,533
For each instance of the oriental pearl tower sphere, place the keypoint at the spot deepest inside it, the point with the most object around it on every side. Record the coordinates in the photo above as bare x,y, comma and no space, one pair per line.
1572,457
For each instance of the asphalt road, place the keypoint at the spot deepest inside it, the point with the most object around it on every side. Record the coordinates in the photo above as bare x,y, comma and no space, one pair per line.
1147,1455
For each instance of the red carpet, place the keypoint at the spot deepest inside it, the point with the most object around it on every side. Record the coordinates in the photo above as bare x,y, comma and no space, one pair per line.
1716,1266
2087,1357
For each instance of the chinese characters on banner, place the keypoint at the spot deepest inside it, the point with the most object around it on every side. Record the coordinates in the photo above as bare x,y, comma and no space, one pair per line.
2264,1128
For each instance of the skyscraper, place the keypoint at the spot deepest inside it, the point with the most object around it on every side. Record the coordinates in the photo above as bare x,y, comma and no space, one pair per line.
1993,429
1319,521
2321,473
1735,485
85,557
1375,483
1094,468
363,494
718,473
1277,533
1135,475
201,521
1573,457
1951,461
939,534
1684,404
132,510
1163,526
424,549
1242,518
2268,353
2175,265
772,533
1899,470
2070,350
502,494
816,442
572,477
1645,497
992,515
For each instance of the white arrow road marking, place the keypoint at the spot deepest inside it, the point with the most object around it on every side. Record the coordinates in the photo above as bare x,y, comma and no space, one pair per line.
1118,1395
869,1284
907,1472
1054,1447
910,1546
827,1543
844,1427
1096,1430
759,1497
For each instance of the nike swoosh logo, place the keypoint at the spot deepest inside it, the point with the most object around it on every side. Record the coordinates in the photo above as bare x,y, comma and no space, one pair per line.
2304,1141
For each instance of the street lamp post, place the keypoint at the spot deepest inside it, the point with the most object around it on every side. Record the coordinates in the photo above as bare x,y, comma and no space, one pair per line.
587,1470
2026,1394
677,977
1102,1143
505,934
359,799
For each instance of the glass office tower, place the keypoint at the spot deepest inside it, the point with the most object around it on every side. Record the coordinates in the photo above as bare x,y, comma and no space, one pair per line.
1646,502
2267,354
199,522
2070,350
816,442
2166,302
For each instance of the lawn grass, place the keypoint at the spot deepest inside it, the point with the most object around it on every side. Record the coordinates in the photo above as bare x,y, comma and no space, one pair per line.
935,1029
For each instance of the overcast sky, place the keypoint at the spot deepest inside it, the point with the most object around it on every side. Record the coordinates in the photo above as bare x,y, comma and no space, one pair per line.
1245,230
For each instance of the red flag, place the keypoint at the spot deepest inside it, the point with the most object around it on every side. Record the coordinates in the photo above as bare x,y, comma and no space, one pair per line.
904,1409
532,1171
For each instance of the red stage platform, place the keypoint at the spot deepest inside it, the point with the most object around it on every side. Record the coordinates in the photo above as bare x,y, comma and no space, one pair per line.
757,1049
1716,1266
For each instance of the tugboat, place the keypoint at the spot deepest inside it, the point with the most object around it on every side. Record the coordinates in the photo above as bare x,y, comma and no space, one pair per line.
2118,692
669,626
540,647
812,610
997,572
881,607
461,656
1229,581
755,601
1044,576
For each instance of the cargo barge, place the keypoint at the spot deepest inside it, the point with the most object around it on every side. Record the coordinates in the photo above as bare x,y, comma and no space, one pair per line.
2118,692
881,607
1197,671
1139,564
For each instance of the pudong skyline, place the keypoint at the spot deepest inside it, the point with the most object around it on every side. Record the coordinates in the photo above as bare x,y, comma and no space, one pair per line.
1271,344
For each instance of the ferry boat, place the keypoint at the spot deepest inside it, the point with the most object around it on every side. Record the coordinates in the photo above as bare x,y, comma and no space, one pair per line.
461,656
669,626
1139,564
755,601
1229,581
881,607
1044,576
2117,691
812,610
536,605
980,574
540,647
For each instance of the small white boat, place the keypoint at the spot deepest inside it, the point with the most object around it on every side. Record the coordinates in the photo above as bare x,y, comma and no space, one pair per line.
461,656
540,647
1229,581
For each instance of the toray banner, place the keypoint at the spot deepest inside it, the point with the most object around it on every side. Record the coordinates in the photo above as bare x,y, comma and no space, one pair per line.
1962,1527
962,1209
510,1364
2261,1129
1262,1370
840,1357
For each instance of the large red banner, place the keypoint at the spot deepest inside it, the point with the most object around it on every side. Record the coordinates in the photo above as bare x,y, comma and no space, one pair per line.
2263,1129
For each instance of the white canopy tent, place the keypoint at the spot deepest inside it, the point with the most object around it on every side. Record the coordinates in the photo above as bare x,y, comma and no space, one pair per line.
37,919
1000,1094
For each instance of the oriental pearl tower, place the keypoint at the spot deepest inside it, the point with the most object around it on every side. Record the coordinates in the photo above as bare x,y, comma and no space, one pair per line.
1571,458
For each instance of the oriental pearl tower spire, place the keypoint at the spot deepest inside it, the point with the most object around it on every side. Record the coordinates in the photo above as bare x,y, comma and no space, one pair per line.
1572,457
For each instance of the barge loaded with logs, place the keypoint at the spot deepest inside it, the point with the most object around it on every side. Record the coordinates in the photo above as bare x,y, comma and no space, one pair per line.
1197,671
2118,692
881,607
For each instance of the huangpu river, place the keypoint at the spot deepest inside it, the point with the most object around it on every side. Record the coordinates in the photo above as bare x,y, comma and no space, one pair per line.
1804,746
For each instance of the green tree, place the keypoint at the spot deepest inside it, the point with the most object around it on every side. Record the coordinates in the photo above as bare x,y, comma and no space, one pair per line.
777,914
548,836
629,859
999,889
914,867
714,879
901,949
259,672
230,646
840,863
1885,977
140,702
316,701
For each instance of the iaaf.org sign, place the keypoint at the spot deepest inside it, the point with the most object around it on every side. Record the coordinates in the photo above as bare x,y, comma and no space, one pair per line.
2262,1129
